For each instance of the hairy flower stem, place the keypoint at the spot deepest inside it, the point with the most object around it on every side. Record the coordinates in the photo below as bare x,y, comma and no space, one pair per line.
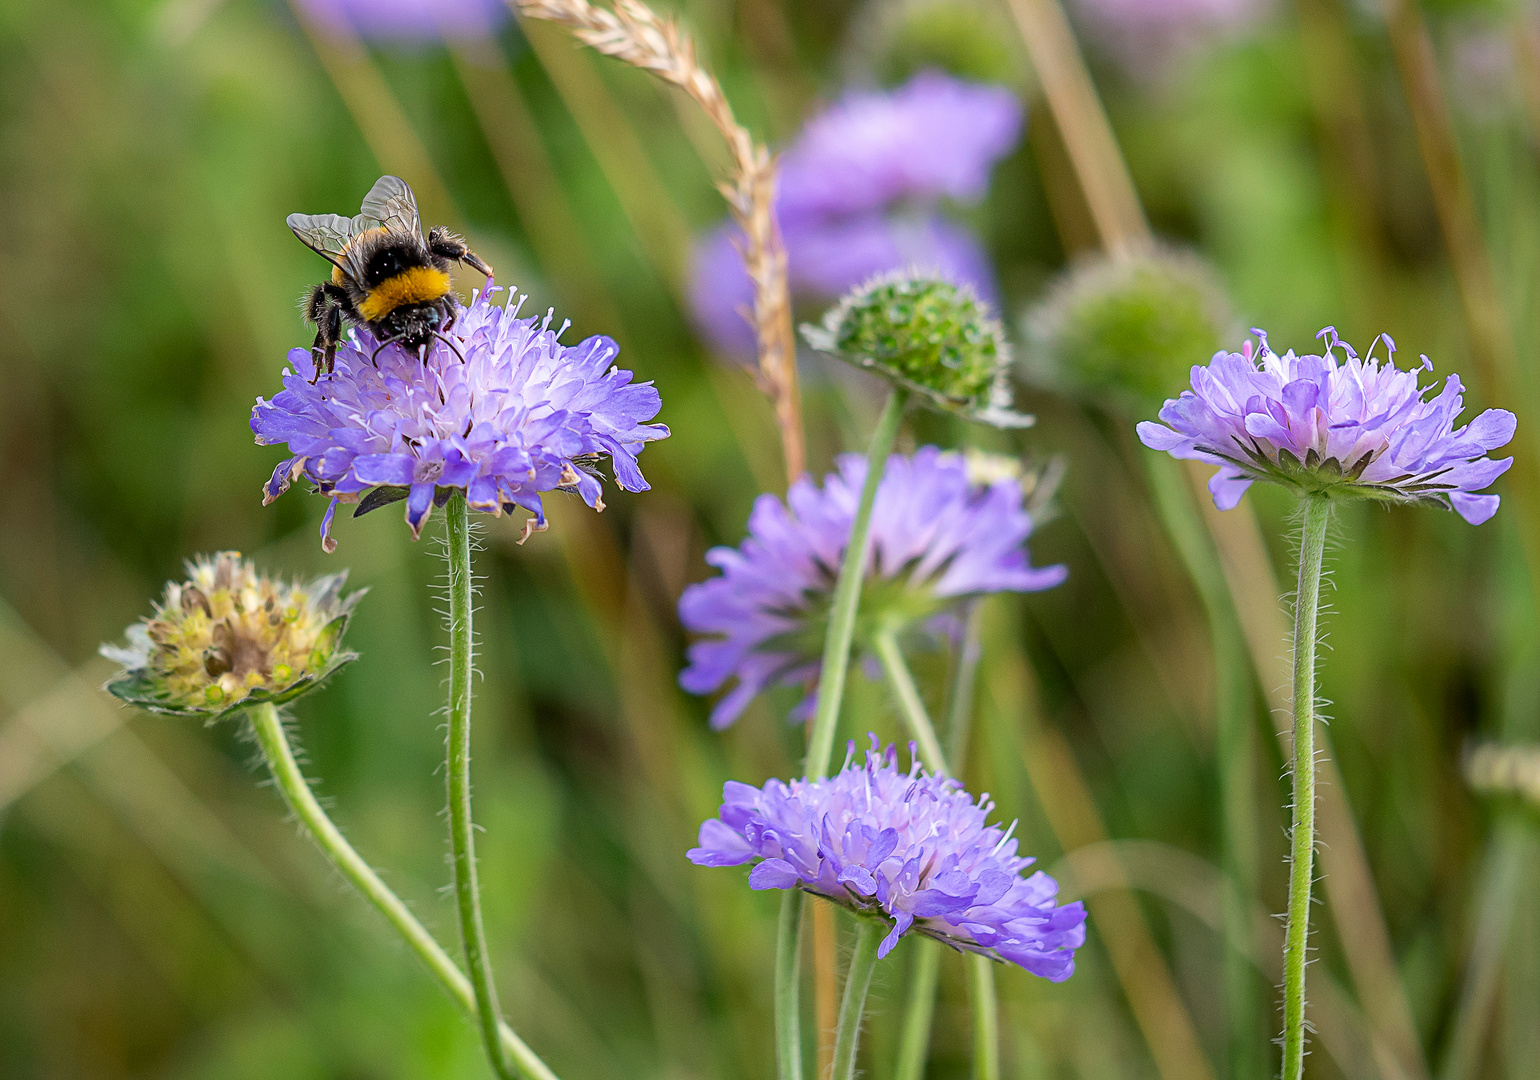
914,1043
1307,601
981,976
831,691
461,841
847,593
302,802
788,1010
858,979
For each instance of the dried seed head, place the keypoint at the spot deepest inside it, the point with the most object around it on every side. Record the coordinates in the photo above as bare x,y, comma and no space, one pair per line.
229,637
931,336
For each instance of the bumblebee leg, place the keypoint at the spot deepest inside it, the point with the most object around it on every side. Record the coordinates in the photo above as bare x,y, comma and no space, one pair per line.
328,333
452,311
446,244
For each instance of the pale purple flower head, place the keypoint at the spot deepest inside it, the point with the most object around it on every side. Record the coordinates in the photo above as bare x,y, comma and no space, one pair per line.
936,136
938,538
409,20
521,414
1350,427
857,196
904,847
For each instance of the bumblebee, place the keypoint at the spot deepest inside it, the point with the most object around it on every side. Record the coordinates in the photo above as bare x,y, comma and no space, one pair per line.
385,276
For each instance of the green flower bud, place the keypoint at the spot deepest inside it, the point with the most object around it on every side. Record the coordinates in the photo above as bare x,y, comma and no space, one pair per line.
930,336
229,637
1128,331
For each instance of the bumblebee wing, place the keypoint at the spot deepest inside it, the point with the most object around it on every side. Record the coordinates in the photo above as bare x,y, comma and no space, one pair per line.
392,204
328,235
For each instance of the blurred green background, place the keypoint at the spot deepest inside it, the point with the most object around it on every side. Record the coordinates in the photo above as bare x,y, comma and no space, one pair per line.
159,918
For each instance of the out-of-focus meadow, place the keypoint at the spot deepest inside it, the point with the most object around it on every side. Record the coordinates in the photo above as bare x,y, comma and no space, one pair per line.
160,918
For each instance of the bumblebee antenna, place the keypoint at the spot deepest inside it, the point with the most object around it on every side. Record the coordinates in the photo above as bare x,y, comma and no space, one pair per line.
453,348
380,346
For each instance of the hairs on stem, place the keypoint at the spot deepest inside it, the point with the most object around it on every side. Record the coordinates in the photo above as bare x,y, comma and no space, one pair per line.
635,34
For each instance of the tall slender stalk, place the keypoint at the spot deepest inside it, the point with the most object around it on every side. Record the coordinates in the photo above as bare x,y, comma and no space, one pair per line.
858,979
986,1017
914,1042
302,802
909,703
847,593
1233,720
1307,601
461,840
831,691
788,1009
981,976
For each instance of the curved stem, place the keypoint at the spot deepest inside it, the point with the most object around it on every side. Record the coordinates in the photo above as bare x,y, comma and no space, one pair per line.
788,1009
858,979
986,1017
302,802
981,976
1306,606
909,702
461,840
914,1044
847,594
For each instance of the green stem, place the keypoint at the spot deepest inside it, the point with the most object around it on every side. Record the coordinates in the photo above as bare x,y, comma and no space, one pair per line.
1234,717
831,692
986,1017
1306,606
788,1009
461,840
964,682
858,979
909,703
914,1044
302,802
981,976
847,594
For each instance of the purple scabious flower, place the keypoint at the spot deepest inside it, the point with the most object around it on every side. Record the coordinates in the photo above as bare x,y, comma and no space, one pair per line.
938,538
1349,427
521,414
857,196
902,846
419,21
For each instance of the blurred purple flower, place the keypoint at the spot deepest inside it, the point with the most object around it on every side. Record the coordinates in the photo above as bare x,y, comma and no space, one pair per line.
522,414
938,538
409,20
936,136
857,193
1358,427
900,846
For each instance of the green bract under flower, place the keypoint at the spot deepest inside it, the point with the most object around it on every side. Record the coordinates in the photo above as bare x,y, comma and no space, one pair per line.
1127,330
229,637
930,336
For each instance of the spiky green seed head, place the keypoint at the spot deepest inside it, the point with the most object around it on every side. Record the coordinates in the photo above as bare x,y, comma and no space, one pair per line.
1128,331
928,335
229,637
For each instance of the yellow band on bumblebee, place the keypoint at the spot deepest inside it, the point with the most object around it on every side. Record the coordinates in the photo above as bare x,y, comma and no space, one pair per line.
418,285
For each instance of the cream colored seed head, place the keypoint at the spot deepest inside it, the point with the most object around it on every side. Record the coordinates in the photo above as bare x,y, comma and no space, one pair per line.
228,634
